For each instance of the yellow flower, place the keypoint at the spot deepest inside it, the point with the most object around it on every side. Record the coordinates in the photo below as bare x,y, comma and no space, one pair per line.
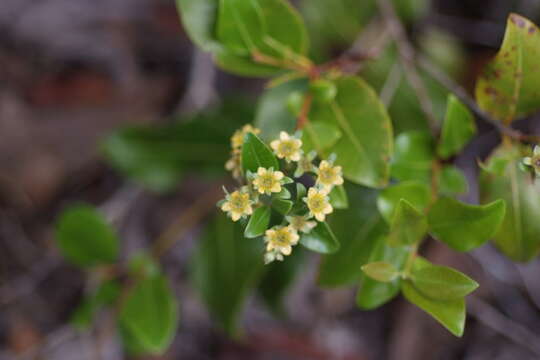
318,204
287,147
237,140
329,175
301,223
534,160
268,181
280,240
237,205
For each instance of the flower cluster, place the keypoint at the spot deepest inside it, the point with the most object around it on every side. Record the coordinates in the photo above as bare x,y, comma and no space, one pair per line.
268,187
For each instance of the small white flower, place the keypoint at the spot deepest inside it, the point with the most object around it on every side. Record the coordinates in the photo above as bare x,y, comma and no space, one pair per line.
280,240
329,175
268,181
318,203
287,147
237,205
301,223
237,140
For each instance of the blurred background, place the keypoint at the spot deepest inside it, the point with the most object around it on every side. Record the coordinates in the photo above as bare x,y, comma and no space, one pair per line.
74,71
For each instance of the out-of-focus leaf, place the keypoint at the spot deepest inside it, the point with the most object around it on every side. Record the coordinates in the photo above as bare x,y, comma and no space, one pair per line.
458,128
381,271
225,267
452,181
320,239
338,197
408,225
150,313
442,283
158,156
271,28
256,154
508,86
519,234
258,222
320,137
366,142
199,20
413,156
464,227
85,238
357,229
278,278
416,193
282,206
104,295
273,114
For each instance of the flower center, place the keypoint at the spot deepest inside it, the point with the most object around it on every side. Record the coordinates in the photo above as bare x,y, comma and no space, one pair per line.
282,238
286,148
316,203
267,181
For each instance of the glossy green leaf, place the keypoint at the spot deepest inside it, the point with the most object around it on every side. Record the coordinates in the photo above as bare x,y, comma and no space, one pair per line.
464,227
225,267
451,313
85,238
452,181
158,156
258,222
416,193
371,293
273,115
519,234
199,20
366,142
278,278
320,239
442,283
256,154
458,128
104,295
413,156
508,86
150,313
320,137
338,197
282,206
357,229
268,27
408,225
381,271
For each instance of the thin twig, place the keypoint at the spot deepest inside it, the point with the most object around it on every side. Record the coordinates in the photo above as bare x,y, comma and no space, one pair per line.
407,55
492,318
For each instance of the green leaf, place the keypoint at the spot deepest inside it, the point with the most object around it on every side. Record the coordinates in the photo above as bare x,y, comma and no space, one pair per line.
338,197
519,234
381,271
464,227
258,223
408,225
320,239
85,238
416,193
371,293
199,20
452,181
158,156
508,86
451,313
366,142
150,313
106,293
273,114
442,283
277,280
256,154
320,137
413,156
272,28
225,268
282,206
323,90
357,229
458,128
